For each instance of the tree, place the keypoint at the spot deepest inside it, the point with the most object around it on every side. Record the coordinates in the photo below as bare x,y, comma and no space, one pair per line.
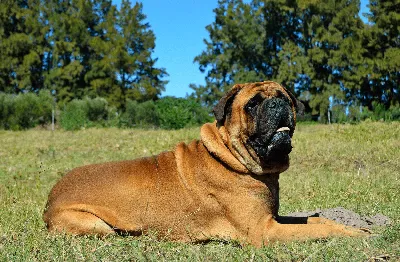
380,79
331,43
233,51
311,47
139,78
22,32
77,49
245,44
73,25
106,46
125,69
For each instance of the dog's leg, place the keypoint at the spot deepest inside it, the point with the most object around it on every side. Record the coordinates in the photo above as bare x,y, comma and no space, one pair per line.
321,220
78,222
289,232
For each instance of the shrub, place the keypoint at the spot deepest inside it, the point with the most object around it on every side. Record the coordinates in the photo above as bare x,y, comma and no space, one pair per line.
394,112
167,113
86,113
378,111
97,109
338,114
7,108
75,115
365,114
24,111
47,104
176,113
139,114
305,117
113,117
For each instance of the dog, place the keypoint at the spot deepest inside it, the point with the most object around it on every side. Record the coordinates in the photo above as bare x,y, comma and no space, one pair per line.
223,186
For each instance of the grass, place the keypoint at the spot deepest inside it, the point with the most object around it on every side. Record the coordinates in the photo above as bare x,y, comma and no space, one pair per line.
354,166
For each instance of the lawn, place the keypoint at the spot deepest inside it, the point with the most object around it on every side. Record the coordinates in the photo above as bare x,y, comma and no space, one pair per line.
352,166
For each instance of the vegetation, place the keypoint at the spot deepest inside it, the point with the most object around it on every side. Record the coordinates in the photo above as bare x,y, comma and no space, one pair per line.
353,166
28,110
343,70
321,50
85,113
24,111
78,49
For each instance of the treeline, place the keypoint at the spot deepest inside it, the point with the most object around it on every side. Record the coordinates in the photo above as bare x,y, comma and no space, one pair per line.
320,49
77,49
23,111
91,62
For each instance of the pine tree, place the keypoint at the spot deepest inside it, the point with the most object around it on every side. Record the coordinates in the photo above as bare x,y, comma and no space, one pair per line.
64,59
235,52
380,80
331,32
311,47
251,42
78,48
139,78
125,69
107,49
22,43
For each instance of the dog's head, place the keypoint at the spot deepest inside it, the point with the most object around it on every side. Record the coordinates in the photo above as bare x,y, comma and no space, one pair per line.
257,121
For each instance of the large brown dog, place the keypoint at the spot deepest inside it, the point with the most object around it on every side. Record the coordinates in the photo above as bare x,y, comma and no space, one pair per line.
224,186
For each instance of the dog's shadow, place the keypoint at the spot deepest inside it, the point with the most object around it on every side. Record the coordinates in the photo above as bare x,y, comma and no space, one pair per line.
294,220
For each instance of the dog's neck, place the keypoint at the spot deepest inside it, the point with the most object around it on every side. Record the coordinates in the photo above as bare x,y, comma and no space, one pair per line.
212,140
272,182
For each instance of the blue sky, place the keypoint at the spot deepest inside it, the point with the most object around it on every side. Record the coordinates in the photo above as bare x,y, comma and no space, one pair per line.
179,26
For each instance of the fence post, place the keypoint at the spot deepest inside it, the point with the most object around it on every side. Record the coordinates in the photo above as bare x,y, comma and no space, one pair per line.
329,117
53,112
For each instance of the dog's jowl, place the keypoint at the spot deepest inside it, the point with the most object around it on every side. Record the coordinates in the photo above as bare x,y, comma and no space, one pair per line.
224,185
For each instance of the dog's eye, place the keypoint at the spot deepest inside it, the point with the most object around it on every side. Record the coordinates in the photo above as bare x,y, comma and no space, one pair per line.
285,98
253,103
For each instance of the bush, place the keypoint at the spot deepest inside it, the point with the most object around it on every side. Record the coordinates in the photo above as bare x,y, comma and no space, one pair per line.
75,115
394,112
47,104
167,113
378,111
85,113
338,114
97,109
176,113
305,117
7,108
139,114
25,111
355,114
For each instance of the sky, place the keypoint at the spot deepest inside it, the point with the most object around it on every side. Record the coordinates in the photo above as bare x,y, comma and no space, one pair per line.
179,27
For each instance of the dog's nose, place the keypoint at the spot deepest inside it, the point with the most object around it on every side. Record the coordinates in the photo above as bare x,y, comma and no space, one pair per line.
273,114
276,109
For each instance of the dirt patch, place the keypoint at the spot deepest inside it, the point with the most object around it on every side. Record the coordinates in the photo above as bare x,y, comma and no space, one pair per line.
346,217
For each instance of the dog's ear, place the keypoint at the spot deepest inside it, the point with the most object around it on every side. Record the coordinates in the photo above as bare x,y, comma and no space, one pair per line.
300,108
221,108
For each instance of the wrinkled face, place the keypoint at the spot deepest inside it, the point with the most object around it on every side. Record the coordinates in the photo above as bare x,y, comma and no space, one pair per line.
271,128
258,121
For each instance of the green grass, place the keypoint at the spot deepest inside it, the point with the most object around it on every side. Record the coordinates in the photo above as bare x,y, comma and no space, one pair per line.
354,166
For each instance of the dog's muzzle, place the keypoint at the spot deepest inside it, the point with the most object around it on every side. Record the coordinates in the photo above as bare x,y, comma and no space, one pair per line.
274,129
